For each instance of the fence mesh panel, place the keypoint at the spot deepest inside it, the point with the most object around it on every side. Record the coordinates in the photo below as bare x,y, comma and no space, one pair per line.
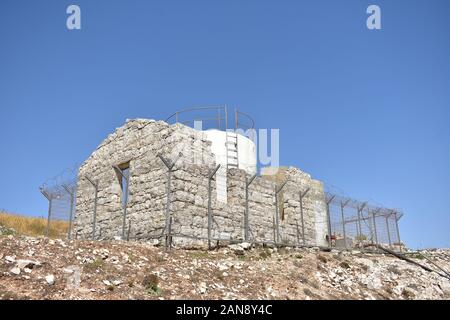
352,223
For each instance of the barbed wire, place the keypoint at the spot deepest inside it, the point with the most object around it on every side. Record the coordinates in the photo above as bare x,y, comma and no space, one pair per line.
56,185
62,189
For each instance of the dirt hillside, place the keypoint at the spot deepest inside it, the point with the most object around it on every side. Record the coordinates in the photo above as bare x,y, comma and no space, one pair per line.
39,268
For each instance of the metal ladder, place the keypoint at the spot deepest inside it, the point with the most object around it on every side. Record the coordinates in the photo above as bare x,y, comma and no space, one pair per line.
231,145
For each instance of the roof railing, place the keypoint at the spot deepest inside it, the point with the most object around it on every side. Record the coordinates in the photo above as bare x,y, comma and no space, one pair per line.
215,117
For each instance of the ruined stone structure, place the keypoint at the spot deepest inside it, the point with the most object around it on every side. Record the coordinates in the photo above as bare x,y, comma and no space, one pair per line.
133,150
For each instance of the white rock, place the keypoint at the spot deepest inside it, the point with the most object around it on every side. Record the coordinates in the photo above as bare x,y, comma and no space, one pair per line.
27,264
62,243
15,271
10,259
374,283
223,267
27,270
202,288
50,279
246,245
236,248
113,259
107,283
117,282
68,270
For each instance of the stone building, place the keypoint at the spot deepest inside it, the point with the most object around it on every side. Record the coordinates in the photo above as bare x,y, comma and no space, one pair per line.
134,199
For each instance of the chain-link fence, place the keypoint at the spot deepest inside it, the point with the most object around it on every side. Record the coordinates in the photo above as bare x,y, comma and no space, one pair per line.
60,192
349,223
355,223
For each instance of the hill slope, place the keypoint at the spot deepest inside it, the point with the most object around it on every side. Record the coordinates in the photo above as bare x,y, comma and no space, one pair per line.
38,268
32,226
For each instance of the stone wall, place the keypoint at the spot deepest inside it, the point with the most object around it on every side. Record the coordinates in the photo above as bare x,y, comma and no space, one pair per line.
139,142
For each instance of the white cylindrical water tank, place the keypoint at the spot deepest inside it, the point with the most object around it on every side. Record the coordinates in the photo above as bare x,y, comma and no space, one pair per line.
223,145
246,149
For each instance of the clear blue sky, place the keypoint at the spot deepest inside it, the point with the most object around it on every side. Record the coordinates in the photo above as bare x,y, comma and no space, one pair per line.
367,111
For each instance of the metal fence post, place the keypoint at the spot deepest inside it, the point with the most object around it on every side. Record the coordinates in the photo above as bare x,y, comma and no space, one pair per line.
124,219
343,204
94,218
129,230
398,231
358,229
277,218
168,205
168,223
47,232
375,225
49,213
71,194
328,201
209,212
302,196
388,231
125,200
360,209
276,230
210,178
247,213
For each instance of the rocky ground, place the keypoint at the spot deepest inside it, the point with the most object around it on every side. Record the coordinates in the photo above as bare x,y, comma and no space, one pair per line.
39,268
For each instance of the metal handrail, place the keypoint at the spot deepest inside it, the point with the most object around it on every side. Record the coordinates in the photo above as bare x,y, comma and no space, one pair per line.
238,124
221,118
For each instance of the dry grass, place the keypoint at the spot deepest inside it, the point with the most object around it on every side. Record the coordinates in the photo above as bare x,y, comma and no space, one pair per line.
33,226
